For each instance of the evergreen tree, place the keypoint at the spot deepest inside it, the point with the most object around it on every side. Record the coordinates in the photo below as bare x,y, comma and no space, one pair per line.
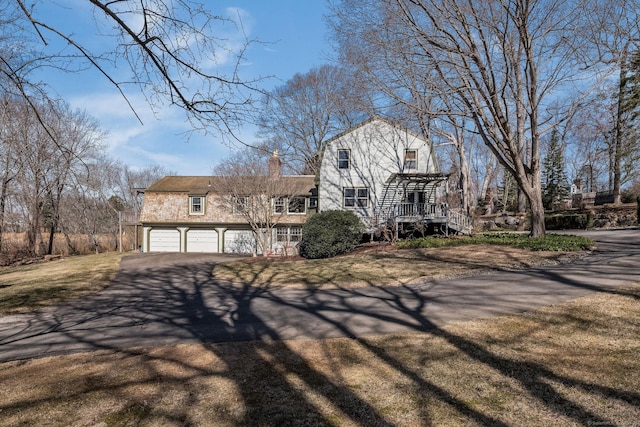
630,112
555,182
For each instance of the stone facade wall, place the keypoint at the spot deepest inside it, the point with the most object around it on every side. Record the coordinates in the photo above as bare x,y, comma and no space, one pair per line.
173,208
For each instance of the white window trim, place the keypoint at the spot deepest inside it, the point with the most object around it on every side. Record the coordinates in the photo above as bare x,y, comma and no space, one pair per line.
203,202
285,234
348,160
304,205
356,198
414,160
284,205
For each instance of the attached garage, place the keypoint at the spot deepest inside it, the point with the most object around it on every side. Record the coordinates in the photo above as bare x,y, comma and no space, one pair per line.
202,240
239,242
164,240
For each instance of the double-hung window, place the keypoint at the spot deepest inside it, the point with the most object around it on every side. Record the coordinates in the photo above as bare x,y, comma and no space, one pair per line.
295,234
279,205
282,234
344,159
289,234
410,159
356,197
196,205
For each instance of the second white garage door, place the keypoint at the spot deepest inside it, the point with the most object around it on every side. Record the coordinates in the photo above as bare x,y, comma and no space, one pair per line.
202,241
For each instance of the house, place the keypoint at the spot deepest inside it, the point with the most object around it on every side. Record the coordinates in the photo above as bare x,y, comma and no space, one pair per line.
385,174
205,214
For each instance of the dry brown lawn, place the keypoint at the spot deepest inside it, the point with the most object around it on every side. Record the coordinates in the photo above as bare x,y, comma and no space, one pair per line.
29,287
570,364
385,265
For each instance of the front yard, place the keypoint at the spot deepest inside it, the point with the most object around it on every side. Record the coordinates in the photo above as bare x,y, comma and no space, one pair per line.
569,364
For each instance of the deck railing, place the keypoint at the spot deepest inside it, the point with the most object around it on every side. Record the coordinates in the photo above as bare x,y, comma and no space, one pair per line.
420,210
459,221
439,212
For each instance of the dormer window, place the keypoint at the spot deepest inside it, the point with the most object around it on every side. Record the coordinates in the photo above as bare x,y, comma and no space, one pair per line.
196,205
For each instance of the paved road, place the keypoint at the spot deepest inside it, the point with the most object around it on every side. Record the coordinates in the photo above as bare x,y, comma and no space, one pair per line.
171,298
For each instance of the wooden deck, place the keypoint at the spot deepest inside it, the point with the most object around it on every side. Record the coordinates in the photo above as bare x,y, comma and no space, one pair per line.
429,213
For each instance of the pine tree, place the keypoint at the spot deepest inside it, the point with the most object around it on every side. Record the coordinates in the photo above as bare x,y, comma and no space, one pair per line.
555,182
630,112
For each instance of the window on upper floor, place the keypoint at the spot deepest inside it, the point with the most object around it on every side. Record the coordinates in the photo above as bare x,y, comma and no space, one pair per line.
196,205
297,205
356,197
279,205
240,205
344,159
313,202
410,159
291,205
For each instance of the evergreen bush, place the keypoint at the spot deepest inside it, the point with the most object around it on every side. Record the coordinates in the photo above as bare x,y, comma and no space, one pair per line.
331,233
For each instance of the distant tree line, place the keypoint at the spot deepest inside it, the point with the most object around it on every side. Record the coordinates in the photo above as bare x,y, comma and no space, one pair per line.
57,177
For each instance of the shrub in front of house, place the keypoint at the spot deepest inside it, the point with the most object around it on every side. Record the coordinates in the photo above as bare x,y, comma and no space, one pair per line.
330,233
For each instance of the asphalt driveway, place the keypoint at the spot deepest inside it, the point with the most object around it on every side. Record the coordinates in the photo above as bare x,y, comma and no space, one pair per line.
160,299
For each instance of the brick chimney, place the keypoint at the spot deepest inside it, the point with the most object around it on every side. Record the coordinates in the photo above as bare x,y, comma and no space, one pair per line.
275,165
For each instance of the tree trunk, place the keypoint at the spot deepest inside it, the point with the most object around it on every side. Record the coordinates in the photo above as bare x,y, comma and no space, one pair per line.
618,143
465,180
537,218
534,197
3,198
4,192
490,175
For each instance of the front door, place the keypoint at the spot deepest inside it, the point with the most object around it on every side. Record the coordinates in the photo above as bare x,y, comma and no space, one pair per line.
416,199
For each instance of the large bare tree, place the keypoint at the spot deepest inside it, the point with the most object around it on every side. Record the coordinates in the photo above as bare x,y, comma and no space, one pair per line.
174,52
499,63
298,117
617,45
256,191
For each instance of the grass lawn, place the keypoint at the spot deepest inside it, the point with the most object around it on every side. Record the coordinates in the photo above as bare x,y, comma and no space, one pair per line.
386,265
570,364
28,287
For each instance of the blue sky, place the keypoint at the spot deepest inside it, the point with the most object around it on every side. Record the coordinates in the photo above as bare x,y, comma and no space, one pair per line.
294,39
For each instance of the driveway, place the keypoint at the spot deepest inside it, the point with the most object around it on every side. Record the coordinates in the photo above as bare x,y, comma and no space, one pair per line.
160,299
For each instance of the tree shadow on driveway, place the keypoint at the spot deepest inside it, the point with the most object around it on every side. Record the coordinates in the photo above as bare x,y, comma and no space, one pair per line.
182,303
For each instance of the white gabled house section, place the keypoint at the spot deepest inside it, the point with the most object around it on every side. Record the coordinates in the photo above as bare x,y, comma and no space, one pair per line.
359,168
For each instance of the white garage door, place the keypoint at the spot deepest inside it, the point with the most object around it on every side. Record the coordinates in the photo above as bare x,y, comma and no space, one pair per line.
164,240
238,242
202,241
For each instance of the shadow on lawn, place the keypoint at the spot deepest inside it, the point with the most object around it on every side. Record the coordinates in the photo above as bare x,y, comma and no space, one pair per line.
184,303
